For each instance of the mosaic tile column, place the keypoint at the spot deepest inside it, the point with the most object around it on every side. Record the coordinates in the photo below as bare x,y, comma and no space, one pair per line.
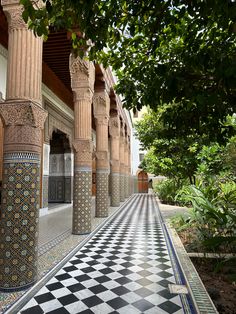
126,160
23,119
122,178
82,82
131,184
101,105
114,130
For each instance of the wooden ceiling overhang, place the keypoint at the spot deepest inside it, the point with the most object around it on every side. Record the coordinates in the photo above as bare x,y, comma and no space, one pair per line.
56,73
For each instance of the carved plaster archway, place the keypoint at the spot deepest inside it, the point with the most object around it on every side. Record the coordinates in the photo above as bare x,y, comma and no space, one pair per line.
57,125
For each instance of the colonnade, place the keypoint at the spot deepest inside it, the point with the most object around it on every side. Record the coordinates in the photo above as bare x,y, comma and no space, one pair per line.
23,116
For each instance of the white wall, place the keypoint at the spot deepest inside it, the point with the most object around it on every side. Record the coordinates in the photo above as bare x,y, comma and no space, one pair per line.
136,147
135,154
136,150
3,70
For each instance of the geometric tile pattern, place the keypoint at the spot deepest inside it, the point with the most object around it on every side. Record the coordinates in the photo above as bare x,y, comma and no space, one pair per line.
102,193
45,191
68,189
124,268
82,202
55,241
135,180
131,185
115,189
19,221
126,178
122,187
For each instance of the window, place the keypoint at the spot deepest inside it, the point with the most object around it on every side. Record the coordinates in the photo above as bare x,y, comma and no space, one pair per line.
141,156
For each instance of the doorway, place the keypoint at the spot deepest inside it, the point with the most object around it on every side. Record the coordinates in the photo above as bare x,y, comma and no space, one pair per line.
60,169
142,182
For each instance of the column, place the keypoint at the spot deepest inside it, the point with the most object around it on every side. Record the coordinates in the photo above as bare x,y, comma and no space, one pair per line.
23,118
82,82
101,105
126,179
129,170
122,181
114,130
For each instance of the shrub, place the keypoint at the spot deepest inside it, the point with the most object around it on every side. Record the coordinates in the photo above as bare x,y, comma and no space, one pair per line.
215,213
167,191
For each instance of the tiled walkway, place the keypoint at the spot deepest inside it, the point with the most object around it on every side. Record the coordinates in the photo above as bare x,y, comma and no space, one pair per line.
53,228
124,268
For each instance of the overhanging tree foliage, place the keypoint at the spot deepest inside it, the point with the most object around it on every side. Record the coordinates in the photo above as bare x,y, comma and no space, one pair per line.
180,52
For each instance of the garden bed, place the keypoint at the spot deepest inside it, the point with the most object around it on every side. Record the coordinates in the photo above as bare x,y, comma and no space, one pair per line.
217,274
221,284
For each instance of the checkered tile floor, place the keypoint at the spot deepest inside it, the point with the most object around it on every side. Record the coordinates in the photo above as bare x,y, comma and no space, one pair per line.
124,268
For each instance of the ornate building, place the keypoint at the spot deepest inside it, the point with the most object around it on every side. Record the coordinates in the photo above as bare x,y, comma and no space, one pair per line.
64,135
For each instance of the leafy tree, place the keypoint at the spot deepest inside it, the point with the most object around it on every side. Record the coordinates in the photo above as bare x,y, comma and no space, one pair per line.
172,154
177,52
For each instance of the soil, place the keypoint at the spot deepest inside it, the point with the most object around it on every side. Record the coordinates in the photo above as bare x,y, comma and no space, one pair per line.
218,275
220,281
190,240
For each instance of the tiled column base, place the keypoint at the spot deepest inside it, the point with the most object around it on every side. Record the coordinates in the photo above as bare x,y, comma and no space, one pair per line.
82,202
135,180
126,185
130,185
122,188
102,193
115,189
19,220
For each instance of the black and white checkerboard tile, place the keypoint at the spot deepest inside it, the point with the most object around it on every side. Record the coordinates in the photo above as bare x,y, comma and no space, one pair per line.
124,268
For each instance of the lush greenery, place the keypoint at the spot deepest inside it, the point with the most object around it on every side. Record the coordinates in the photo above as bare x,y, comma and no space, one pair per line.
176,52
213,215
172,153
168,189
211,219
178,58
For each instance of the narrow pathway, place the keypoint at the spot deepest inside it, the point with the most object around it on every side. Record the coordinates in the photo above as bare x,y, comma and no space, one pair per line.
124,268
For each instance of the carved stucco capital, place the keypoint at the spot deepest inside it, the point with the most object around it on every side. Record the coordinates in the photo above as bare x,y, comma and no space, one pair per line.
79,65
101,104
13,11
103,155
83,146
114,126
83,152
82,73
101,120
83,93
23,113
